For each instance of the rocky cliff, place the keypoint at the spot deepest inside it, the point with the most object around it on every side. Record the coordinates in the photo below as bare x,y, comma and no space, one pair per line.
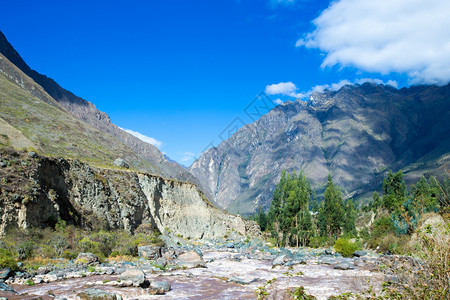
355,134
87,112
36,191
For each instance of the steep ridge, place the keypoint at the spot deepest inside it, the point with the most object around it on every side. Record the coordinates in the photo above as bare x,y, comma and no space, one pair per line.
31,118
38,190
87,112
356,134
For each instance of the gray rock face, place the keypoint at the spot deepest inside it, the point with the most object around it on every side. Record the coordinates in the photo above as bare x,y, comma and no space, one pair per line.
355,134
74,191
134,275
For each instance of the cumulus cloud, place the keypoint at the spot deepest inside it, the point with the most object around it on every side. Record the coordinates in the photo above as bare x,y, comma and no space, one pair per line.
404,36
278,101
289,89
377,81
144,138
282,88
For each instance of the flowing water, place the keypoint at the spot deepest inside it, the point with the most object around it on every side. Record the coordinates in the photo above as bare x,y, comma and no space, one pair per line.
216,281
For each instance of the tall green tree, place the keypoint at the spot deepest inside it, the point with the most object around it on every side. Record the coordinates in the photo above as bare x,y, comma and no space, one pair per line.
289,211
394,191
331,212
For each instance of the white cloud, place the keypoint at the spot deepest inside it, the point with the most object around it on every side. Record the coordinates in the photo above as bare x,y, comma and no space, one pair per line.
144,138
377,81
337,86
282,88
187,157
278,101
404,36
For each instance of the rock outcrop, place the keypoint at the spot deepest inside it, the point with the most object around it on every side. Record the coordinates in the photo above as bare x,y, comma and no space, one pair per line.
50,188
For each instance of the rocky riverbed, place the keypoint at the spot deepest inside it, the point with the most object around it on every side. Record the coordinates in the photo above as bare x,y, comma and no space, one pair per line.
231,271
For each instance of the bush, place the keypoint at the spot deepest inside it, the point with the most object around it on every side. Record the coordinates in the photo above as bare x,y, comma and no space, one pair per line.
345,247
26,250
7,259
321,241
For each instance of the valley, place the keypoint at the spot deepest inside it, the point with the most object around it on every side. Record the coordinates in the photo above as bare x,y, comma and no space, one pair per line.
337,192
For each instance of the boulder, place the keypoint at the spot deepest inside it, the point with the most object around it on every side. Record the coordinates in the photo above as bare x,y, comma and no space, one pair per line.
282,258
327,261
191,259
161,262
134,275
229,245
242,281
96,294
158,287
32,154
359,253
149,252
4,273
87,258
6,288
344,266
121,163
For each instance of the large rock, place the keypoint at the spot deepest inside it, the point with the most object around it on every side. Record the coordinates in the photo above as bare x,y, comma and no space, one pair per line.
283,257
87,258
150,252
344,266
359,253
191,259
96,294
4,273
6,288
121,163
134,275
158,287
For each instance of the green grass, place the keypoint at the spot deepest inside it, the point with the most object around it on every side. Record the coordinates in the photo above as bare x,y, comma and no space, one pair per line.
57,133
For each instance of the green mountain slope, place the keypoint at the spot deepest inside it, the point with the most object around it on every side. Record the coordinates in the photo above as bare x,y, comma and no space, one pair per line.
28,121
50,91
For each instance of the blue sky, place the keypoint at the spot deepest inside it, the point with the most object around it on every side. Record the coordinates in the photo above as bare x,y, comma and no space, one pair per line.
181,71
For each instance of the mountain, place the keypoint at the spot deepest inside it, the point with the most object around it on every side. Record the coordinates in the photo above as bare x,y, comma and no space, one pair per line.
355,134
47,90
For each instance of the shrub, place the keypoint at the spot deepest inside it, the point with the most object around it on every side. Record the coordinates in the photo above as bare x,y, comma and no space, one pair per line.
69,254
7,259
345,247
25,250
321,241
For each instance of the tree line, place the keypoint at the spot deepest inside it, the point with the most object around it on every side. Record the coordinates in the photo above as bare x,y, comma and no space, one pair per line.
297,218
